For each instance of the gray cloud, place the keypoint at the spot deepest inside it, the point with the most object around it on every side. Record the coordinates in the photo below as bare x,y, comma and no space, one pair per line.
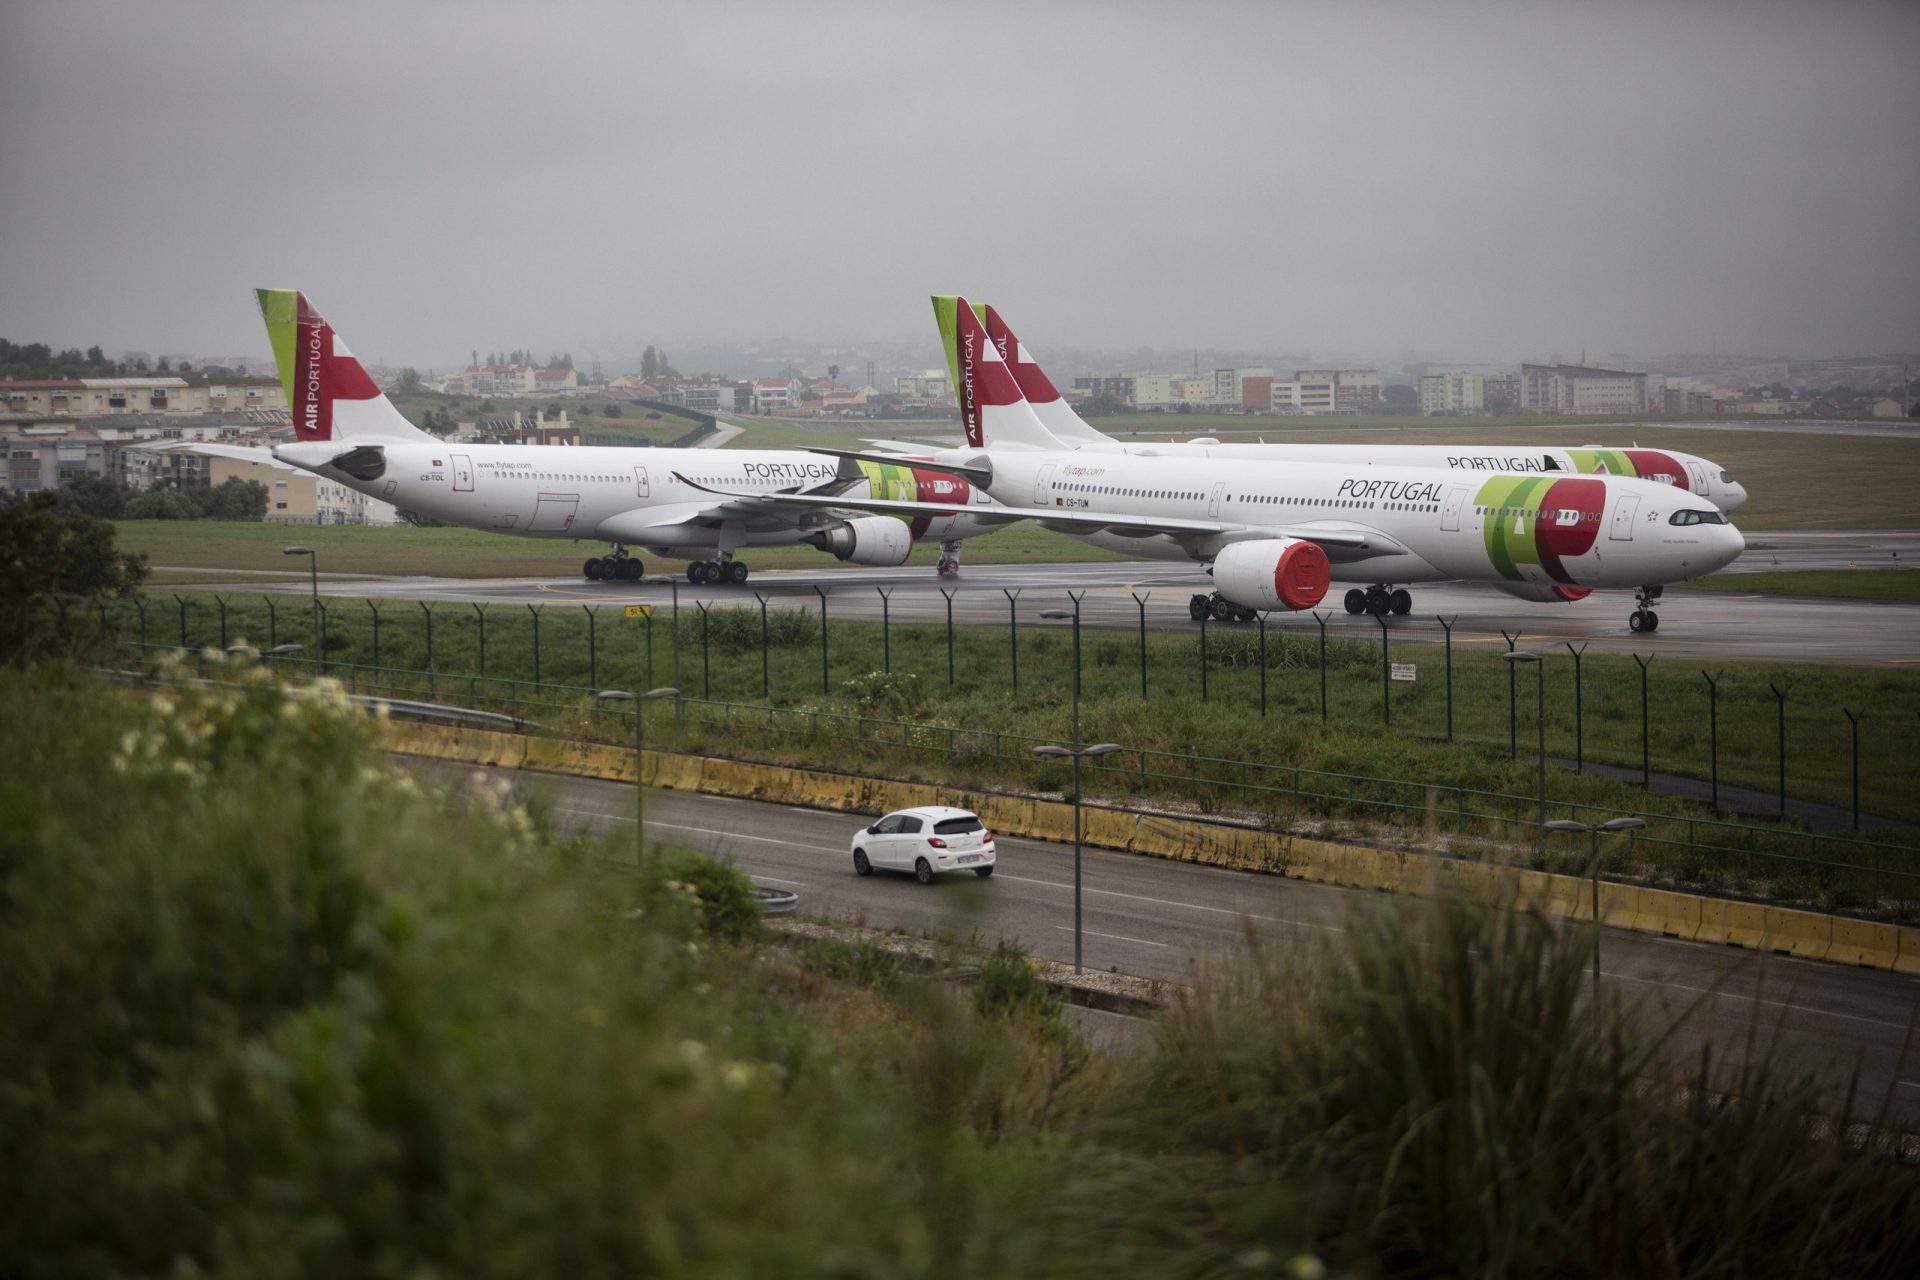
1473,180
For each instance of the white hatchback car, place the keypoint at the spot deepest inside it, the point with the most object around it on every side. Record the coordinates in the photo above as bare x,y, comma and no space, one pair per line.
925,841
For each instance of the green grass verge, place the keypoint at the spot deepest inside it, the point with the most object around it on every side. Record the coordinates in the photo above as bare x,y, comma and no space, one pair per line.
1845,584
471,553
1224,721
276,1010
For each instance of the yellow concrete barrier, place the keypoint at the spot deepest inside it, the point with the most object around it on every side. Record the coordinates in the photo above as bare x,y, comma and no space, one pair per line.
1109,828
1053,822
1669,914
1737,924
1864,942
1908,960
1800,933
675,773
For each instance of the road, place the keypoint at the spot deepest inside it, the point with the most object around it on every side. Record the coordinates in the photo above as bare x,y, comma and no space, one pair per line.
1169,920
1694,625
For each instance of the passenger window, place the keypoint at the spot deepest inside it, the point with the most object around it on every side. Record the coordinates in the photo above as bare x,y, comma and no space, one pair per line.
909,826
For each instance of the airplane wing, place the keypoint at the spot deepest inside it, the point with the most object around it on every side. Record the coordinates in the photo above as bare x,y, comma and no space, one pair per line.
239,452
1341,541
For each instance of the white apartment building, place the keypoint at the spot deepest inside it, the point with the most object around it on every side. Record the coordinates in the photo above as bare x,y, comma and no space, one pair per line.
1581,389
1453,393
160,393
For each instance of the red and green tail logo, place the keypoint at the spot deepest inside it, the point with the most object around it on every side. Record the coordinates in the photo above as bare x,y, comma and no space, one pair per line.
315,366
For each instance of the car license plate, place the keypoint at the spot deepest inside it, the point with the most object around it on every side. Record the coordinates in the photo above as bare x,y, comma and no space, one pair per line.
973,857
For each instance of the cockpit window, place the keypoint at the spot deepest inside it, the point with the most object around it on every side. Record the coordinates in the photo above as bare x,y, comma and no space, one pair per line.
1726,477
1696,517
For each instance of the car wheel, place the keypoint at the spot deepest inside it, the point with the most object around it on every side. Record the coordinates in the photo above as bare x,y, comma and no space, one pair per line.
983,872
860,864
922,871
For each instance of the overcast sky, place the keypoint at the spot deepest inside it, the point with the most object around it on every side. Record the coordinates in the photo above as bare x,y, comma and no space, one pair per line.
1466,181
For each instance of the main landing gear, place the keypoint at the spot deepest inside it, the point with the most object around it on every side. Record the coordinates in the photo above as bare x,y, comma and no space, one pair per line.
949,565
1644,601
713,572
616,567
1219,608
1379,600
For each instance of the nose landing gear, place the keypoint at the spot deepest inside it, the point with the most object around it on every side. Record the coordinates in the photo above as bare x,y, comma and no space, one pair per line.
1379,600
1643,617
949,564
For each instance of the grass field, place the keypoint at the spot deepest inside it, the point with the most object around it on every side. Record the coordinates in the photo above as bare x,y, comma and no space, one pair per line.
214,545
1843,584
902,676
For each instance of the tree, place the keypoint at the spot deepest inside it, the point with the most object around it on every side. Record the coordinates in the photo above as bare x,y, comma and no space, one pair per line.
161,504
610,410
236,499
649,362
409,383
163,366
833,374
101,497
1397,395
52,555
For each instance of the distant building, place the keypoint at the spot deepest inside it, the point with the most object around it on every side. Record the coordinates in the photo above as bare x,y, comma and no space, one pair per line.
161,393
1581,389
933,384
1500,392
1452,393
1356,391
1117,387
1317,389
770,395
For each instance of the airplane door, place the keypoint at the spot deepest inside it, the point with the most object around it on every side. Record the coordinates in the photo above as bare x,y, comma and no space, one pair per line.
1213,501
1450,513
462,473
640,481
1699,474
1040,485
1623,513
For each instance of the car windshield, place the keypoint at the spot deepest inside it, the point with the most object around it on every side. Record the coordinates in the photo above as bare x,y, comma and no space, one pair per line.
956,826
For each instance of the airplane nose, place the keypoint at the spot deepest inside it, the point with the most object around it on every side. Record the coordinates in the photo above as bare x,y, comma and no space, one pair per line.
1733,542
1736,497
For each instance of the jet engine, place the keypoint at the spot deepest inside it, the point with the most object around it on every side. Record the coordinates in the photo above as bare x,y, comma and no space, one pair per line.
1272,573
1545,592
870,540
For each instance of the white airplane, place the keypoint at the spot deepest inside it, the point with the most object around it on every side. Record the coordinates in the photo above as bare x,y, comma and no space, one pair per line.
1275,534
347,431
1701,476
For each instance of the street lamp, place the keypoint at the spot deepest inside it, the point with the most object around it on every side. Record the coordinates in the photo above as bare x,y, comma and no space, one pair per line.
313,566
668,580
1593,868
1077,753
1540,719
639,753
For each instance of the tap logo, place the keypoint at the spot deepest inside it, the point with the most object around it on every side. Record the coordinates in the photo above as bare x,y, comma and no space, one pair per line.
1540,520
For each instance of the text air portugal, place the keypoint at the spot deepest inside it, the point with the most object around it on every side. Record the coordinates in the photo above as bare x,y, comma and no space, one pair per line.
322,376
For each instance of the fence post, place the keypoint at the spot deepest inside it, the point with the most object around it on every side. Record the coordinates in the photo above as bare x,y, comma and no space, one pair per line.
427,611
821,592
593,649
1447,627
1646,772
1386,675
535,611
1013,634
376,630
1713,737
1141,602
1203,655
706,652
949,595
1780,707
647,629
320,659
182,601
766,682
1513,732
886,630
1853,723
1579,714
1261,618
223,621
1323,664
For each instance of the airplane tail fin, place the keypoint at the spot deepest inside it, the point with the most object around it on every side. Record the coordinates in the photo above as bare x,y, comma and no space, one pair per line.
992,410
329,393
1048,404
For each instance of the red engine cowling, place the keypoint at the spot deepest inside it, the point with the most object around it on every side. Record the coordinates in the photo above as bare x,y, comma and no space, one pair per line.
1272,573
1546,592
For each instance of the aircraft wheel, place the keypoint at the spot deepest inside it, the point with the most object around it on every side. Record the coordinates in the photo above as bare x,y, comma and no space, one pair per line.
1637,621
1402,600
1653,621
1223,609
736,571
592,570
629,570
1379,603
1356,601
1199,607
1245,615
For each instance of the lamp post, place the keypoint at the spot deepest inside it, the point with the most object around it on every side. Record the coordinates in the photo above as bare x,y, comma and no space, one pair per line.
313,567
668,580
1593,865
639,753
1540,720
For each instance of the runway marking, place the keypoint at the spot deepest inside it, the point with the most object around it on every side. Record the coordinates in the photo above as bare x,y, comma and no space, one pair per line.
1091,933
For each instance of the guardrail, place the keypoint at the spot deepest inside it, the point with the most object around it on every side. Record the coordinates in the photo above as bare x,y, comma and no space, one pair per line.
1782,861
